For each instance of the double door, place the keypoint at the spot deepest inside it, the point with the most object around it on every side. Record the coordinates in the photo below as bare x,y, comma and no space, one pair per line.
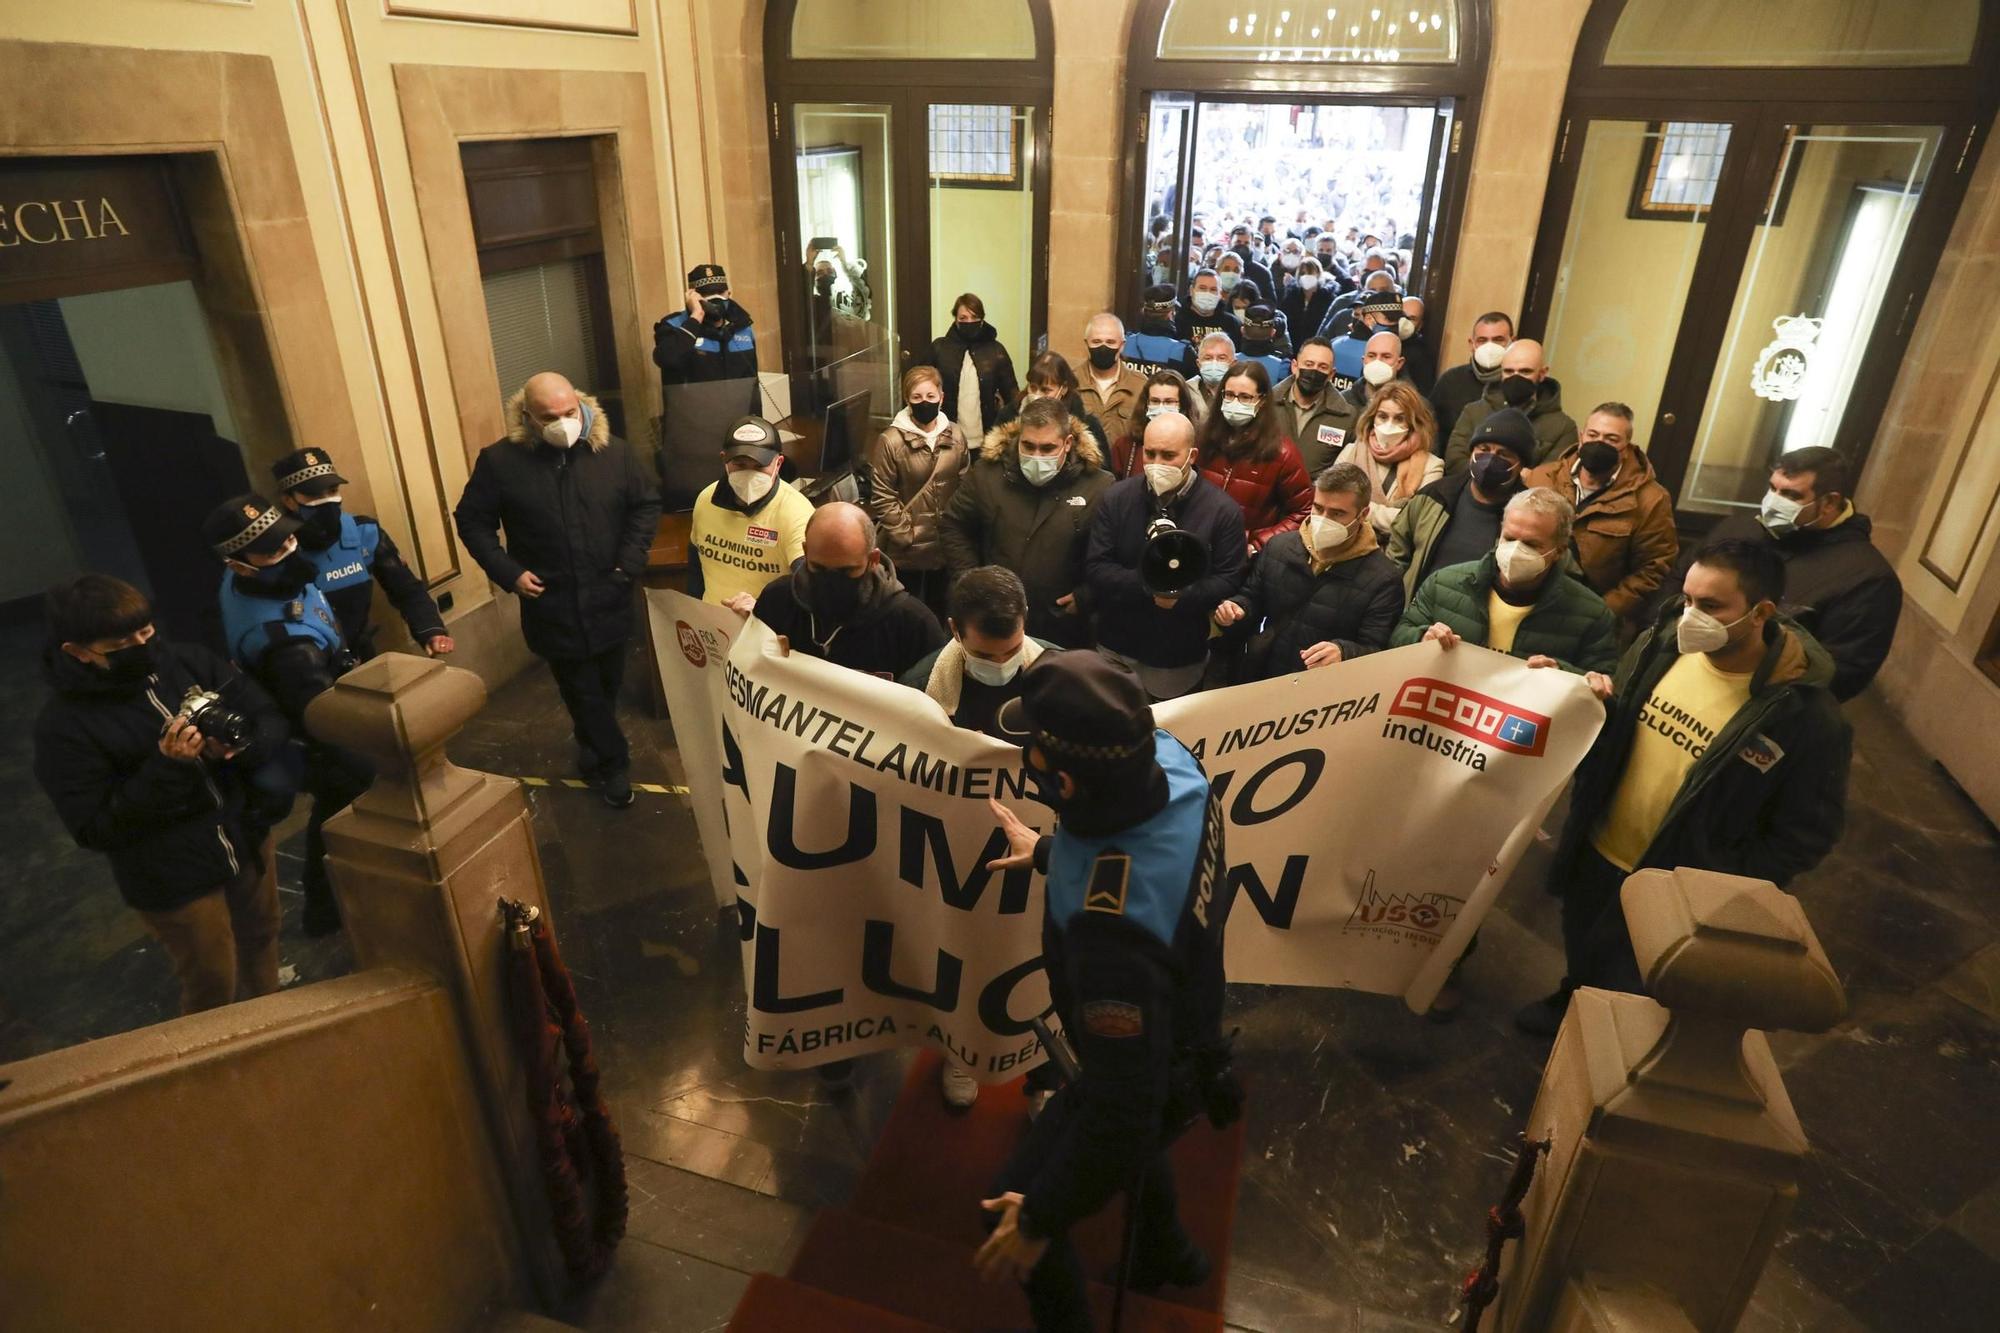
1744,276
899,203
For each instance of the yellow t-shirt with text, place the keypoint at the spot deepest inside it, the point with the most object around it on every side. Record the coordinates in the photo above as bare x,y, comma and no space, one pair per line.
1503,622
742,552
1688,709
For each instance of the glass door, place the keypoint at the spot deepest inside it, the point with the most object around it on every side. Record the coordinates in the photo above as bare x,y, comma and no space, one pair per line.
1799,328
980,172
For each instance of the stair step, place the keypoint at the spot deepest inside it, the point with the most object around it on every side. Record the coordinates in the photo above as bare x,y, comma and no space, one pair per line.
773,1304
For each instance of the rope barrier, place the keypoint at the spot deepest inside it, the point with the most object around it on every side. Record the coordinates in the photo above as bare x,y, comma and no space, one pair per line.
1503,1223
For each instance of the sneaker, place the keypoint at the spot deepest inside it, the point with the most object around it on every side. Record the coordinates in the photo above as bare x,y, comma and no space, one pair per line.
1541,1018
961,1089
1187,1271
616,789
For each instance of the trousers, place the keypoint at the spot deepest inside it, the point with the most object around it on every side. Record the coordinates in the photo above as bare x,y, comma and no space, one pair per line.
224,944
1058,1288
589,687
1597,947
333,778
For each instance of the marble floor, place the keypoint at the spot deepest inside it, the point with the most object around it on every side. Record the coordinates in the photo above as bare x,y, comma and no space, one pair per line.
1377,1139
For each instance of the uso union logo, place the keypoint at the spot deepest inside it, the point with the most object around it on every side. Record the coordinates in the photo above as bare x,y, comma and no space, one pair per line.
1494,722
691,647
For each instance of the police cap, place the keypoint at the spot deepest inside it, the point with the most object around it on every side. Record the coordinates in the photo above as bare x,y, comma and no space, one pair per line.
1085,711
248,524
307,470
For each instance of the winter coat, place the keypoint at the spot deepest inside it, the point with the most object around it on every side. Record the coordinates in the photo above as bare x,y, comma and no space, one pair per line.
1039,532
1555,433
1456,389
1117,407
1623,537
1305,313
885,638
1354,603
997,383
1129,621
912,485
1414,532
1322,430
1420,361
1275,496
1838,586
688,352
174,831
581,518
1738,810
1568,621
1191,328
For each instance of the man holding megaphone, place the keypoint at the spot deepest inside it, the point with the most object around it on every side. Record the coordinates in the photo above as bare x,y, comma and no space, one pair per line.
1165,548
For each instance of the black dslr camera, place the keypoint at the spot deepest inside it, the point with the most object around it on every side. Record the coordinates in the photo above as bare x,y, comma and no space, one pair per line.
206,712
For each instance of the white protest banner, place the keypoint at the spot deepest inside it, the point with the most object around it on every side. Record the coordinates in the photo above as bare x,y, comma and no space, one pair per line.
691,643
1374,810
1376,807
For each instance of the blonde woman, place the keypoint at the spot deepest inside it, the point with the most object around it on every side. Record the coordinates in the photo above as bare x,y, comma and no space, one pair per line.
1392,444
917,465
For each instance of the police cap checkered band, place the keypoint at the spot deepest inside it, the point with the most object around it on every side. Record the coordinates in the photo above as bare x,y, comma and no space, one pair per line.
291,481
708,278
251,531
1048,740
1083,709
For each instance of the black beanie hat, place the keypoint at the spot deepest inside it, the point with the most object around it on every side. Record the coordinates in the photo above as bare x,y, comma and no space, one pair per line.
1511,430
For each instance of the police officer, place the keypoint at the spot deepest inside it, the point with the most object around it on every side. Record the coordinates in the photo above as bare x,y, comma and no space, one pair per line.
1137,899
281,629
352,554
711,340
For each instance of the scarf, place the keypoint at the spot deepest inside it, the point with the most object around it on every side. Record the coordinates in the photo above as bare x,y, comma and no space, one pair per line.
947,683
1407,473
971,417
1361,543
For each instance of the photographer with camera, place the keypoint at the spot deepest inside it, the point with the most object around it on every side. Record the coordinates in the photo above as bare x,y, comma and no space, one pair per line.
281,629
1165,549
146,750
1132,933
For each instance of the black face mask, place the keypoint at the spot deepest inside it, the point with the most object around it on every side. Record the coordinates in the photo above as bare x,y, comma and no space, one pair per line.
1598,458
130,664
286,577
1103,358
925,413
833,596
1493,473
965,332
1518,390
321,524
1311,382
716,307
823,283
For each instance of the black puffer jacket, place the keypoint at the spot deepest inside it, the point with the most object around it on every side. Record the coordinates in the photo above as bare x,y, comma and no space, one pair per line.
581,518
174,831
886,638
998,385
1128,619
1355,604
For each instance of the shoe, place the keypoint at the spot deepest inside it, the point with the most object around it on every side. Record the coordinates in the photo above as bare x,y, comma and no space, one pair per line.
589,767
1541,1018
1038,1098
1188,1271
616,789
322,915
961,1089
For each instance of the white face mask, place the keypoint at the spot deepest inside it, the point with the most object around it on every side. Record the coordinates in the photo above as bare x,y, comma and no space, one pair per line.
1388,432
1308,281
1405,327
1155,409
1700,632
563,431
1325,534
1290,260
1040,470
750,487
1487,356
996,673
1519,562
1204,303
1165,478
1213,371
1228,281
1378,373
1779,514
1238,414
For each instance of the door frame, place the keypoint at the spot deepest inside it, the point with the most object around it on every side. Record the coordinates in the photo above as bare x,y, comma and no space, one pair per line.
1460,86
1759,102
908,88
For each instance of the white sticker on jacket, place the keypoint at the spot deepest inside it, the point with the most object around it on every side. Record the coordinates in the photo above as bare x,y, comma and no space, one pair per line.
1761,753
1332,435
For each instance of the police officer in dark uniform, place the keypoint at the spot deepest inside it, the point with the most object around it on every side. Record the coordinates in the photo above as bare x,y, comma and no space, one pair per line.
281,629
711,340
1138,896
352,554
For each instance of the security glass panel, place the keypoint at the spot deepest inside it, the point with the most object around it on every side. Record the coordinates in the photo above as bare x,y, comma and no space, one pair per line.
982,217
847,235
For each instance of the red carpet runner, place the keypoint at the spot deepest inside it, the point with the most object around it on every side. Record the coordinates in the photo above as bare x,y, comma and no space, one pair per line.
898,1259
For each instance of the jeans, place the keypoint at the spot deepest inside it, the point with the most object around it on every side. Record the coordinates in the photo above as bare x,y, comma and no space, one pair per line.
224,944
1058,1287
589,688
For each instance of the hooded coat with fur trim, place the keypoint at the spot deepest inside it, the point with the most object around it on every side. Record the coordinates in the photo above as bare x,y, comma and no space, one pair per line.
998,517
582,519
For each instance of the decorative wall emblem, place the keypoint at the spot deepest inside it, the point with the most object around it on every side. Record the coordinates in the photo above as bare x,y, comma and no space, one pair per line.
1780,371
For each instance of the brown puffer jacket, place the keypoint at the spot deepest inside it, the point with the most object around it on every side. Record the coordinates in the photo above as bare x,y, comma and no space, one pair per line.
912,486
1624,536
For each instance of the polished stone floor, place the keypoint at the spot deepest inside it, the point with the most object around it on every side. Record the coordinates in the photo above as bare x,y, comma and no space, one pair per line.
1377,1139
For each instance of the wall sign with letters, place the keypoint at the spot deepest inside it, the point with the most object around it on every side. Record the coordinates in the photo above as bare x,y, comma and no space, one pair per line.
72,225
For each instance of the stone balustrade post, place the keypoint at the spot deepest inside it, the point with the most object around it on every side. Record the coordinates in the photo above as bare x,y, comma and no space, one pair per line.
1675,1153
419,865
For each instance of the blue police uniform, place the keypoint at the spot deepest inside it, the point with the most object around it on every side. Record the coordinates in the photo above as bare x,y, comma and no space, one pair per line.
255,620
348,569
1149,350
1277,367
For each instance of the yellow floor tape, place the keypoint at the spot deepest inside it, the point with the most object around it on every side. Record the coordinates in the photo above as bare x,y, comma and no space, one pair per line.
579,784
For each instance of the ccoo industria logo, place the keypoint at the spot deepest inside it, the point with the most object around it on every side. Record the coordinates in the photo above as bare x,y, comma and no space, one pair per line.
1494,722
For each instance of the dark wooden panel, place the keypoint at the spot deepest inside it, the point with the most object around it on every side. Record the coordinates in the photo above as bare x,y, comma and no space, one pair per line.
72,225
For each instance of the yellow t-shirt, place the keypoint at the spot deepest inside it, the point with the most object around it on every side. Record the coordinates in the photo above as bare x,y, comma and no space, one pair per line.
1689,707
1503,621
742,552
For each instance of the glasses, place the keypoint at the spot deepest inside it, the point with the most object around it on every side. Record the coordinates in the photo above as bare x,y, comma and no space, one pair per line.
1251,398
